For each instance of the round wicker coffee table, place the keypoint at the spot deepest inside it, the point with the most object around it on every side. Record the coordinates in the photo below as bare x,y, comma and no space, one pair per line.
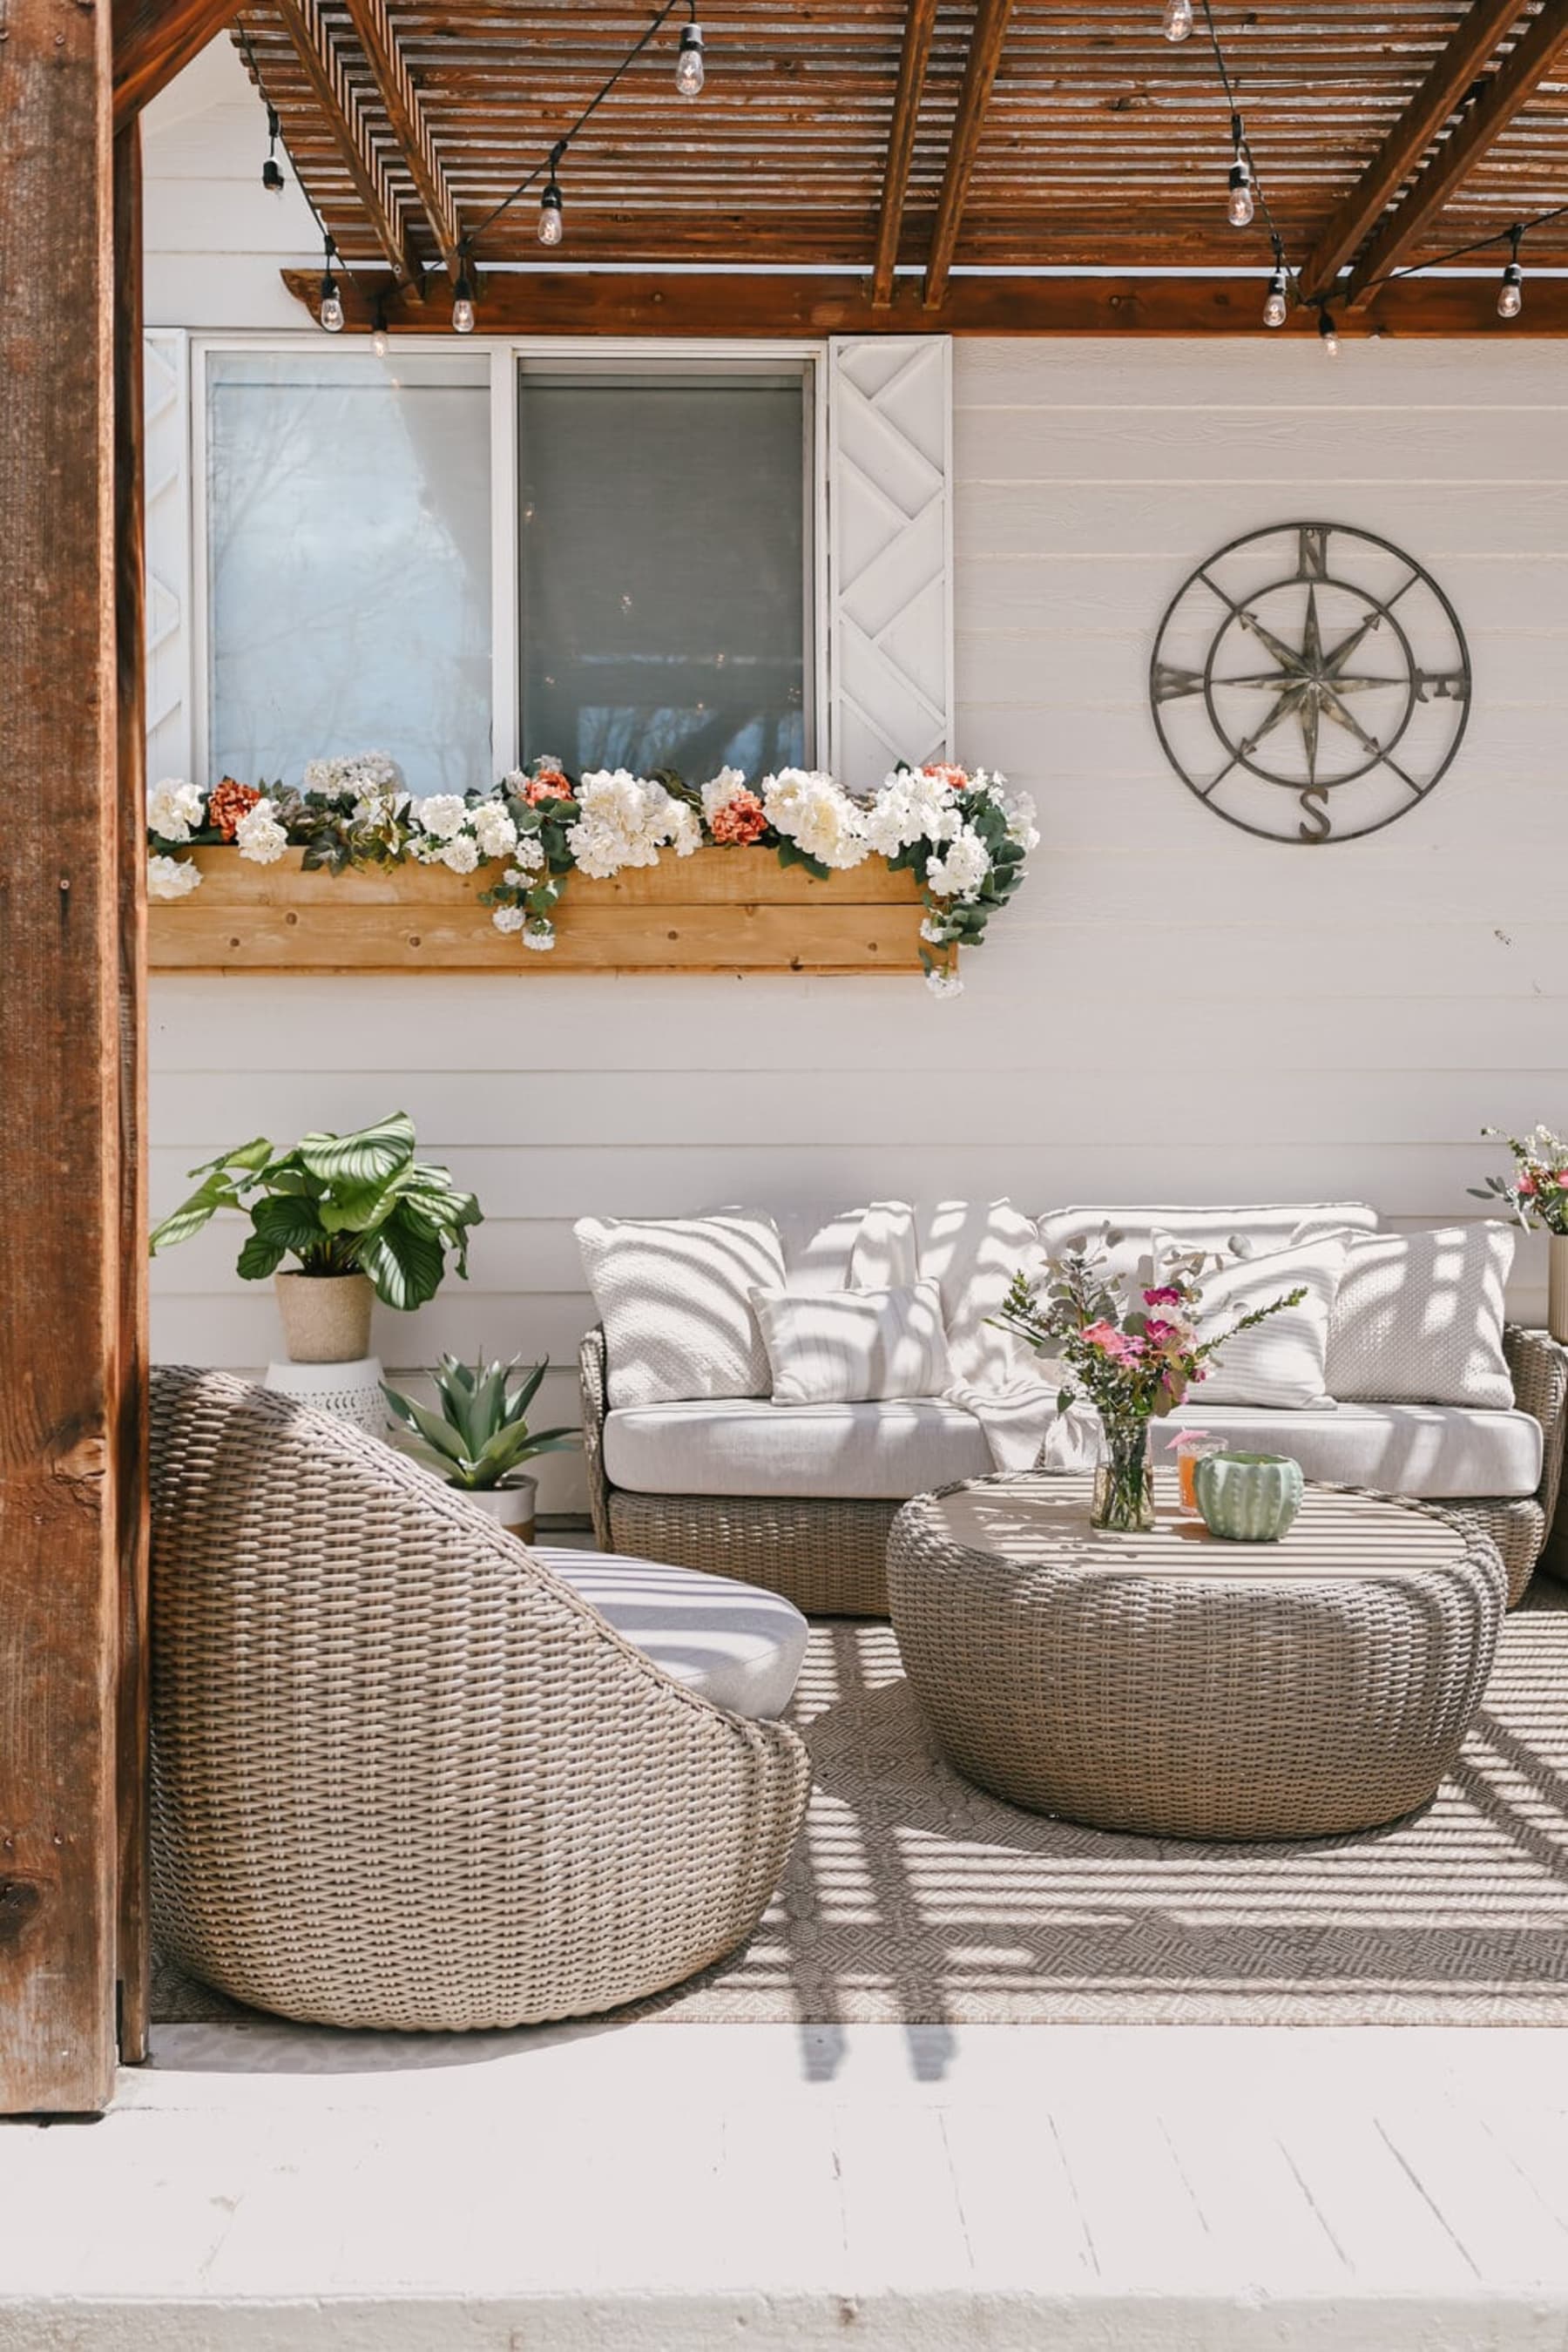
1182,1687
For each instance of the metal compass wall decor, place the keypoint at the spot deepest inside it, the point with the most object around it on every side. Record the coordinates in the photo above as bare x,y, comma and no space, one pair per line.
1311,683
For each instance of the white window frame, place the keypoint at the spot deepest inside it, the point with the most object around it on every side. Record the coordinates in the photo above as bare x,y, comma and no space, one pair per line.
506,353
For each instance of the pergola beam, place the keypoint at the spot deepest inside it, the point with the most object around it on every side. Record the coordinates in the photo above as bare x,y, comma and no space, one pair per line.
979,75
1449,81
918,25
156,39
409,129
678,302
344,119
1512,86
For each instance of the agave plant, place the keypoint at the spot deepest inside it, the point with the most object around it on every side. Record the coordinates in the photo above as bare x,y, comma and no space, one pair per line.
481,1435
341,1205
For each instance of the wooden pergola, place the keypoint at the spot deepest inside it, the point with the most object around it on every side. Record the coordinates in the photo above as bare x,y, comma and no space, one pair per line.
916,165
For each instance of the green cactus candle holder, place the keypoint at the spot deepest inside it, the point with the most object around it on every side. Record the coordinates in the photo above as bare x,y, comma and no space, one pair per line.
1248,1497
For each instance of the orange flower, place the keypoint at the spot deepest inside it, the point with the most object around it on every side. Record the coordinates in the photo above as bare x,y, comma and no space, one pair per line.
228,802
944,772
549,784
740,820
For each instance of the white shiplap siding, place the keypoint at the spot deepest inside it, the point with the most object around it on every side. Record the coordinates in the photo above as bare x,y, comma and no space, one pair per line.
1171,1010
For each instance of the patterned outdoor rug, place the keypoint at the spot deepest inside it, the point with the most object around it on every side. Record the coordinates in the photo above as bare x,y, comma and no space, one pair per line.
913,1898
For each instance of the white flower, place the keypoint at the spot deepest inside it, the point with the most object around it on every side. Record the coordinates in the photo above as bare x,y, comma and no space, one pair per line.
720,790
624,820
540,934
944,983
173,808
379,808
171,877
935,931
361,775
961,872
493,830
908,807
528,857
260,837
441,814
1019,809
461,853
509,918
817,814
687,831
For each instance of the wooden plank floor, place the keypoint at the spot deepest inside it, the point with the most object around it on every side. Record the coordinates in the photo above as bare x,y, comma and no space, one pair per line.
665,2189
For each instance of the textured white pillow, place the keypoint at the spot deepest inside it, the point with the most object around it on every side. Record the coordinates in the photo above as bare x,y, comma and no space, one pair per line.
674,1296
1419,1318
1257,1228
854,1347
1284,1361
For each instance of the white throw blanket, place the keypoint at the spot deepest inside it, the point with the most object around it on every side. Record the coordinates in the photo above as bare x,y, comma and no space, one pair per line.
1019,1416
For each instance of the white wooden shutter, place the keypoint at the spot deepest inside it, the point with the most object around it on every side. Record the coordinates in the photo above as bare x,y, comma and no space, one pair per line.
166,379
889,434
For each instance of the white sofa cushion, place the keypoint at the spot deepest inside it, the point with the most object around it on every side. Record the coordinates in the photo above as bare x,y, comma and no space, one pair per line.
876,1453
1284,1361
1431,1450
1260,1228
1418,1319
848,1346
736,1645
974,1248
674,1296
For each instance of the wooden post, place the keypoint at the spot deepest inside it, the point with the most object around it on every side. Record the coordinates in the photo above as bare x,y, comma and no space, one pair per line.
130,1382
60,1067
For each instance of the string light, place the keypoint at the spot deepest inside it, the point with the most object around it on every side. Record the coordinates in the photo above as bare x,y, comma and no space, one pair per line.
1177,21
1510,293
552,214
378,333
689,76
1328,333
463,295
1239,208
272,170
331,301
1276,304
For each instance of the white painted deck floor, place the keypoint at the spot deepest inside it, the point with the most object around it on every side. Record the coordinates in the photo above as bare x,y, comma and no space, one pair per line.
647,2186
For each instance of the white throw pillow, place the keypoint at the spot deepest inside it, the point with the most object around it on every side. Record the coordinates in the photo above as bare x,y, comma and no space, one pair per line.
1242,1231
674,1296
1419,1318
854,1347
974,1248
1283,1361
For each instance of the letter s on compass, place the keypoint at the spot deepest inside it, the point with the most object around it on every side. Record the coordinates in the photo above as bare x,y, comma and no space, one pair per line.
1315,804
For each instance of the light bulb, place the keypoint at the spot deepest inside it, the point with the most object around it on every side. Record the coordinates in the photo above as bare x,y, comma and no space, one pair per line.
1510,293
1239,207
331,307
1276,307
272,176
1177,22
378,341
462,305
1328,334
551,217
689,63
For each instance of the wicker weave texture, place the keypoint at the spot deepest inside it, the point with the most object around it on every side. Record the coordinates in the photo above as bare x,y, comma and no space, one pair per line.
1189,1688
829,1557
401,1776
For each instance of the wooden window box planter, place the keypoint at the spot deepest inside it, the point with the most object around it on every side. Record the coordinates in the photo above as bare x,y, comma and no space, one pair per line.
726,911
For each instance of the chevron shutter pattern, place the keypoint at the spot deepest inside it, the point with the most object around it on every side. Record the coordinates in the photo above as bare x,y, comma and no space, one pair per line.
890,553
171,746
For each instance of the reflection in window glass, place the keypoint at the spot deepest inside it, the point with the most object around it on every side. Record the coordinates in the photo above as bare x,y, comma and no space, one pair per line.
349,554
663,550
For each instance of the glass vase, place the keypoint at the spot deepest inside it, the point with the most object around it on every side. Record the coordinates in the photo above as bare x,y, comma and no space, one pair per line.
1123,1483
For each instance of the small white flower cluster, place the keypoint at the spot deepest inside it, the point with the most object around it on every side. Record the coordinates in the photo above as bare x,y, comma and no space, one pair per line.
626,820
961,868
818,815
171,877
260,837
445,831
373,776
911,806
175,810
720,790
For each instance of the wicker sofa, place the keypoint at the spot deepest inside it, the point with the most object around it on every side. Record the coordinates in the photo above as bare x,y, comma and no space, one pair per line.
731,1486
403,1776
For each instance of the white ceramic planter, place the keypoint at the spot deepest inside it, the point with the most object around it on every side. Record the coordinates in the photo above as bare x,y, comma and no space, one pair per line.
326,1316
511,1508
1557,1286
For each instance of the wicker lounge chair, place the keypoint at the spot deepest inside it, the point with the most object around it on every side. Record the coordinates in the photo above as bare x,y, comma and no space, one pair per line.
403,1776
